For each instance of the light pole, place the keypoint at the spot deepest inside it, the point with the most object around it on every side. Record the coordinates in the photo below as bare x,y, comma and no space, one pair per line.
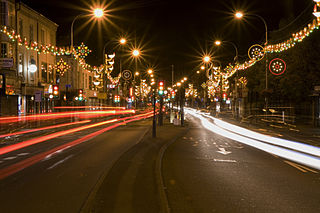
218,43
135,54
97,13
239,15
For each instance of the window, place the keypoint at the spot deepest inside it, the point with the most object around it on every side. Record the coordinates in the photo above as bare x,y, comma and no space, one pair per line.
21,27
21,62
44,68
50,70
3,50
31,32
42,36
3,13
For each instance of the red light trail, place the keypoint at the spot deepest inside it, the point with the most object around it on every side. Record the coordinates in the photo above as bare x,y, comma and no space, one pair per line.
32,160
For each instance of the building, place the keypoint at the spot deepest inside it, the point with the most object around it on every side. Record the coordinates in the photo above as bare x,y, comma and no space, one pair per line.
26,75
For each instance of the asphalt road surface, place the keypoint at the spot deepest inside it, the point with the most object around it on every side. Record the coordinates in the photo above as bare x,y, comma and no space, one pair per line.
63,182
206,172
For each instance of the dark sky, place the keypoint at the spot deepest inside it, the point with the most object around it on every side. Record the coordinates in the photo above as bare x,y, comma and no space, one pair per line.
170,31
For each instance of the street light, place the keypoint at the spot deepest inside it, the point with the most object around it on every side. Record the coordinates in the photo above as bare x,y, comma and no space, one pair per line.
219,43
137,74
123,41
136,53
206,59
97,13
239,15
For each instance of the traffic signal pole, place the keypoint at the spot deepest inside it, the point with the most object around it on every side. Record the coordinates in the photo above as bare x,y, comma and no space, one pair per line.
154,121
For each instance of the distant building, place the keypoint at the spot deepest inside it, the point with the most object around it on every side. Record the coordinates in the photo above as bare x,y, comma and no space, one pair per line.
25,89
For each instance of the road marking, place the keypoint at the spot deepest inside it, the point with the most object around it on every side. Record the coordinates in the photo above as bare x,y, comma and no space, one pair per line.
300,167
23,154
223,160
1,161
223,151
60,162
56,152
10,158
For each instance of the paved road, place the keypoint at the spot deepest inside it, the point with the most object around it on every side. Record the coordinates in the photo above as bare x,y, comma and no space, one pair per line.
206,172
63,182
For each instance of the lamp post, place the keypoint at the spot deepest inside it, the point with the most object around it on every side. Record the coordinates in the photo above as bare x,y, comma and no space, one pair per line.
218,43
135,54
97,13
239,15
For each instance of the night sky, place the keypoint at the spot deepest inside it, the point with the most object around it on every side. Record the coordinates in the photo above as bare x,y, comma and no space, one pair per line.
170,31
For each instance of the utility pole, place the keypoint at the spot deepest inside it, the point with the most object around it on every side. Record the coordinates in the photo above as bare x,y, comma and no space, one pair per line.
154,121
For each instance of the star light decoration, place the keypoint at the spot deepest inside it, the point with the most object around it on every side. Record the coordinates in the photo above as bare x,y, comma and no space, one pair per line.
277,66
62,67
82,51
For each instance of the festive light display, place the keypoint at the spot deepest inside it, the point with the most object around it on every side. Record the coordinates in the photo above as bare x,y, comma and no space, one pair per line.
256,52
62,67
277,66
82,51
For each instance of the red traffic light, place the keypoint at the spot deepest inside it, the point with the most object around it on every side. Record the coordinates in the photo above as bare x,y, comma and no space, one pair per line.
55,87
161,83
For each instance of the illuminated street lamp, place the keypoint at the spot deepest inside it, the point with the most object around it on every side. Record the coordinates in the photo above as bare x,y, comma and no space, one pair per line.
206,59
123,41
137,74
218,43
150,71
185,78
97,13
238,15
202,67
136,53
178,84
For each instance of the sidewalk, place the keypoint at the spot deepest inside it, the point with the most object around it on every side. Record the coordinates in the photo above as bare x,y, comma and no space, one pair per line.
301,133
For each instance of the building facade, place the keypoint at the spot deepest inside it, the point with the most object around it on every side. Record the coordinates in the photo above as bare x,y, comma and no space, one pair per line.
27,76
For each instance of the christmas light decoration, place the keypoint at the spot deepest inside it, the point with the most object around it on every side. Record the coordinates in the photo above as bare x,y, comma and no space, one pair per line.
256,52
62,67
82,51
277,66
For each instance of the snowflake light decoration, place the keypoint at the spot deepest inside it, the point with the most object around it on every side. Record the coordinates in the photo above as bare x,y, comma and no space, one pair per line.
277,66
62,67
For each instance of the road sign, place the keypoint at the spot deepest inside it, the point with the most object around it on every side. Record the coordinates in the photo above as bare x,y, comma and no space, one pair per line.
38,96
126,75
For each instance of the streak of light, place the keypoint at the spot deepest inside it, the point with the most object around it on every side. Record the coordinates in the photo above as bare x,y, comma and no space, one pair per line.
302,158
65,114
88,107
5,172
273,140
44,128
41,139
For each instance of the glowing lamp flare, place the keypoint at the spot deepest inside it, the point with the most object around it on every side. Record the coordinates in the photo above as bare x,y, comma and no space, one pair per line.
206,59
98,12
217,42
239,15
123,41
135,53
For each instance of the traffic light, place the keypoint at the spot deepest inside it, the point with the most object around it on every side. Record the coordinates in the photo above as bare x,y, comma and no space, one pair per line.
117,98
80,94
224,96
173,94
56,91
161,86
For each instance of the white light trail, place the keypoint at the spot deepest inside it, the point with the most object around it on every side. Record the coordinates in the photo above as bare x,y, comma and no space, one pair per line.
299,157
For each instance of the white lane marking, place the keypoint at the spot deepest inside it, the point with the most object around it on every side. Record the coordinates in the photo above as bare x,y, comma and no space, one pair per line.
60,162
23,154
223,151
56,152
223,160
10,158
